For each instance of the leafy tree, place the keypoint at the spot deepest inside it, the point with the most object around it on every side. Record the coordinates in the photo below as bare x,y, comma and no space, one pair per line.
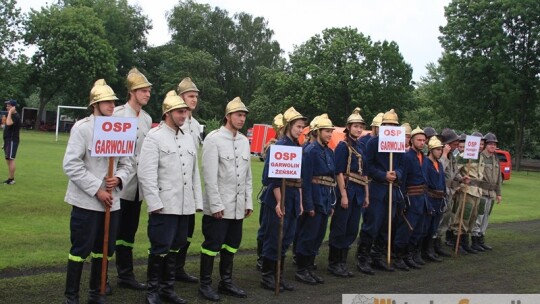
72,52
10,28
492,66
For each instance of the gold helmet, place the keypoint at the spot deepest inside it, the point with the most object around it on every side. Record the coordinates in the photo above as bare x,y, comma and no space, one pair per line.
235,105
101,92
434,142
390,117
323,122
278,122
290,115
172,101
136,80
377,120
355,117
313,122
417,131
407,127
186,85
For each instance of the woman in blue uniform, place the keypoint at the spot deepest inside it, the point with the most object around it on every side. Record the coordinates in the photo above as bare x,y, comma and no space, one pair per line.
351,190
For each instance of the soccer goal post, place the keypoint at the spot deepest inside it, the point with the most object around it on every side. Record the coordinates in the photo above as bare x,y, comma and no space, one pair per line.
58,116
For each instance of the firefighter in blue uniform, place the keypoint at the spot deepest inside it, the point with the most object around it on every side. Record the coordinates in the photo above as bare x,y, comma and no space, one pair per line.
293,123
374,230
410,219
436,195
277,125
319,197
351,190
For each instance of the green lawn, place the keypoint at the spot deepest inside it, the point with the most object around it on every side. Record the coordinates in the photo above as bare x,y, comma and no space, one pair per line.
34,219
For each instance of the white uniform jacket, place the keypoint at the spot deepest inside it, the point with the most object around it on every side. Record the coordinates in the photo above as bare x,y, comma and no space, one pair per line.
226,164
193,127
144,123
87,174
168,172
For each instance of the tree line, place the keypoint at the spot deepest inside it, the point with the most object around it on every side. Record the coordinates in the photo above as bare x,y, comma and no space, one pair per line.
487,78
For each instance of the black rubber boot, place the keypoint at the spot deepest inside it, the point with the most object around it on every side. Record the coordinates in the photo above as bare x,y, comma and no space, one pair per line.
311,270
450,239
180,273
334,263
166,285
408,258
417,253
73,281
429,251
205,287
344,256
378,255
399,262
153,275
124,267
226,285
482,242
464,244
302,272
259,265
437,246
94,296
475,244
268,280
282,283
362,258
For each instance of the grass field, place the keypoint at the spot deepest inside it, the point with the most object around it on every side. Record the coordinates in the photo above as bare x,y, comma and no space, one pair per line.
34,219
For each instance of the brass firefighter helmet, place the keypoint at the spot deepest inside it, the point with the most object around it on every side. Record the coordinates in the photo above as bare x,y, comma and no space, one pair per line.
136,80
377,120
277,124
323,122
355,117
235,105
186,85
291,114
172,101
408,128
390,117
101,92
434,142
417,131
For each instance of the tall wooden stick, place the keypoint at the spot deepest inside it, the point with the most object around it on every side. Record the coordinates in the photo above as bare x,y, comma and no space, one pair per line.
390,185
106,234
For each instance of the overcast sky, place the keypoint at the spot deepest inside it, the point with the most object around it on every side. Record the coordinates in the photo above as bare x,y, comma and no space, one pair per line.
413,24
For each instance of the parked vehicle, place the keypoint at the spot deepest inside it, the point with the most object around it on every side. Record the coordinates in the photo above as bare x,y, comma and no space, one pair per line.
261,135
505,161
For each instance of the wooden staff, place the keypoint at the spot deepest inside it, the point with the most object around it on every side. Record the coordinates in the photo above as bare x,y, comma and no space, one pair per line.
390,184
106,234
280,236
463,202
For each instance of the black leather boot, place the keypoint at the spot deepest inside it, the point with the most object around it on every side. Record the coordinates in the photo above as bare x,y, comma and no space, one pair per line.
362,258
180,273
302,272
378,257
344,256
437,246
464,244
73,281
258,266
166,285
205,287
124,267
450,239
399,262
311,269
94,296
408,258
430,250
153,275
282,283
268,280
226,285
475,244
482,242
417,253
334,263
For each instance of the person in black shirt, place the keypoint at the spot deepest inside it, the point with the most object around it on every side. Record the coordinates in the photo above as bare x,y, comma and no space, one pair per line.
11,138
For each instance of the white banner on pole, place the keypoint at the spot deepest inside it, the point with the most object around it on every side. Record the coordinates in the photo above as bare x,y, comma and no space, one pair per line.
472,147
392,139
114,136
285,161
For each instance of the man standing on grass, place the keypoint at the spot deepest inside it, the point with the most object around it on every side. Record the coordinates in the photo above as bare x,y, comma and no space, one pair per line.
11,138
226,163
131,197
189,92
89,191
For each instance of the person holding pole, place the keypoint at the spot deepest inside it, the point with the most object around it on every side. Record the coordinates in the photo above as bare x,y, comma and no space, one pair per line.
466,203
189,92
90,191
293,123
171,186
131,197
318,198
227,199
352,195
